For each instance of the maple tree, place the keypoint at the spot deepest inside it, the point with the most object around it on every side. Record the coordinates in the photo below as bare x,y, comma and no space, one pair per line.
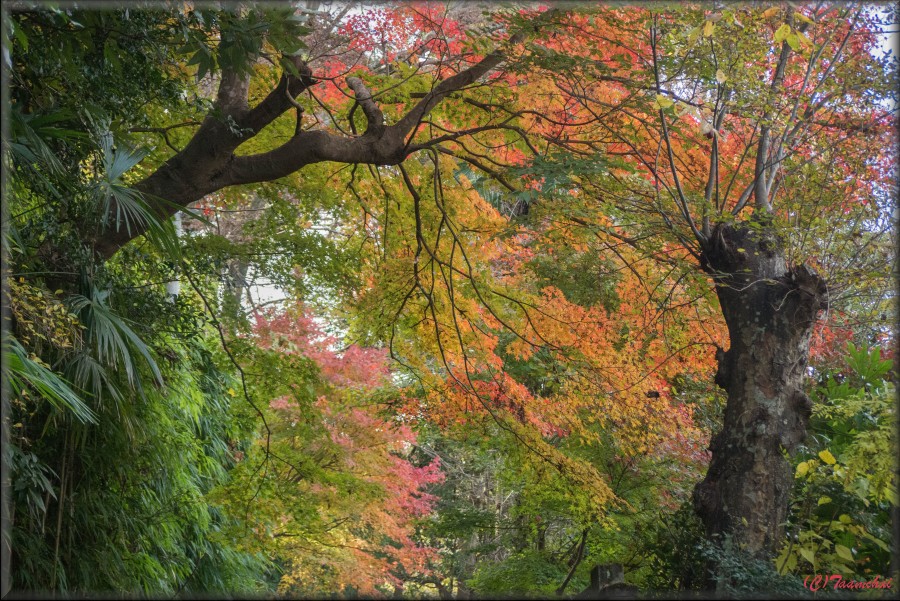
713,121
515,246
768,293
330,489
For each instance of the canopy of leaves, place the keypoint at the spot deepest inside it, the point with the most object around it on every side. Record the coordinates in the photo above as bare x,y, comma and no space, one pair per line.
479,368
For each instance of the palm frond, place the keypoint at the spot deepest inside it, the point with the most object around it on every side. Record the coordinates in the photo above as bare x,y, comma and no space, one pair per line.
29,135
111,337
120,205
116,201
21,371
90,375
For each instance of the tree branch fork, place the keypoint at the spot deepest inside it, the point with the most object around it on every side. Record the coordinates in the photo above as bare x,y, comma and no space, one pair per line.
208,162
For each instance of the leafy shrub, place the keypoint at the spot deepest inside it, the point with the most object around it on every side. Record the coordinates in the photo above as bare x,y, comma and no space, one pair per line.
845,481
675,552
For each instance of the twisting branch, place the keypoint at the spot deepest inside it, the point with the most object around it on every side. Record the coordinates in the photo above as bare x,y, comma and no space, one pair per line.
165,131
208,163
264,464
478,164
374,116
468,386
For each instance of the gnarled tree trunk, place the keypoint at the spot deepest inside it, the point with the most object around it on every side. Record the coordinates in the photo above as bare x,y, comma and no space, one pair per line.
770,309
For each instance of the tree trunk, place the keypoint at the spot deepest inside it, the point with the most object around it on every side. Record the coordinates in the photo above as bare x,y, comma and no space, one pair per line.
770,309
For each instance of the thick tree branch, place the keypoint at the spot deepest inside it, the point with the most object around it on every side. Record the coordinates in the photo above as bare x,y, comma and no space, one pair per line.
208,163
575,562
374,116
451,84
280,99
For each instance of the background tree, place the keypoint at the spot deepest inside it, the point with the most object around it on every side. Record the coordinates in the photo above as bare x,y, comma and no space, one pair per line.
714,118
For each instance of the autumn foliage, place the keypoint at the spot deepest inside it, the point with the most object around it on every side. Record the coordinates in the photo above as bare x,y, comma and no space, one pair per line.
445,311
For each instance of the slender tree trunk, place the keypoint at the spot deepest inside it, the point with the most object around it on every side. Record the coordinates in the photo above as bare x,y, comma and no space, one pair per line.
770,309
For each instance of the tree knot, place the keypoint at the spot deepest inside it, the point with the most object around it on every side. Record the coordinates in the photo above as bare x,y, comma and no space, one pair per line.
808,282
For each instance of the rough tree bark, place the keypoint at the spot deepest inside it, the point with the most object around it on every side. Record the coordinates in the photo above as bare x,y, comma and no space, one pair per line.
770,308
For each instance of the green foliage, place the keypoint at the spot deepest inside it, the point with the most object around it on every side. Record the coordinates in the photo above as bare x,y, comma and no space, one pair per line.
113,197
845,485
72,58
161,446
582,277
740,576
509,523
136,518
110,341
242,33
676,561
530,573
122,420
32,484
22,371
